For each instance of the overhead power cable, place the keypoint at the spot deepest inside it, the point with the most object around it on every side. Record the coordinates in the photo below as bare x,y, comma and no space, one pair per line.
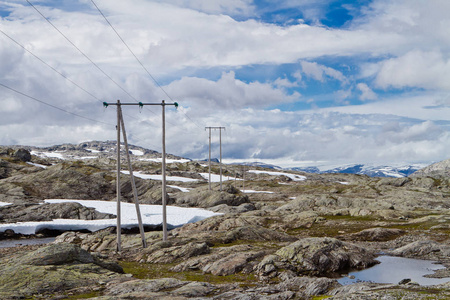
48,65
138,60
131,51
82,53
55,107
55,70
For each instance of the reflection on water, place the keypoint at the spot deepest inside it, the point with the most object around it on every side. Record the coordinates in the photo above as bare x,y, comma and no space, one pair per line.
394,269
21,242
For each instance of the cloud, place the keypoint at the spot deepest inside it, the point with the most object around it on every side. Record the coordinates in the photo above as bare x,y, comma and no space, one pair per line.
342,95
366,92
429,70
319,72
228,93
228,7
285,83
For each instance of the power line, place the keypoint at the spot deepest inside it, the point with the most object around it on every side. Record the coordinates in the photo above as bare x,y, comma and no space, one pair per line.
138,60
48,65
82,53
51,105
98,67
55,70
131,51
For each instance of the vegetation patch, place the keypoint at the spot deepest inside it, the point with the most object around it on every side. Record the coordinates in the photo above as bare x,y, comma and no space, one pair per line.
335,225
85,295
153,271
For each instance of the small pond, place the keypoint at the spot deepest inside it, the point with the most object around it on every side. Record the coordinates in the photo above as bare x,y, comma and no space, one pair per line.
23,242
394,269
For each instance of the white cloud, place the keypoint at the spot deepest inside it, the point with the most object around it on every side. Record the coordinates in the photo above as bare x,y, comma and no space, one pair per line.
366,92
318,72
229,7
227,93
342,95
284,82
429,70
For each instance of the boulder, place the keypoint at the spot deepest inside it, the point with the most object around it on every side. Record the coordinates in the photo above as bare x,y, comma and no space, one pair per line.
223,261
226,209
321,256
195,289
58,254
183,252
49,211
144,286
22,155
375,234
425,249
53,269
202,198
231,264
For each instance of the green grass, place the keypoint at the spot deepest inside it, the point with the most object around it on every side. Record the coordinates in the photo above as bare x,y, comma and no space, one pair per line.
153,271
335,225
85,295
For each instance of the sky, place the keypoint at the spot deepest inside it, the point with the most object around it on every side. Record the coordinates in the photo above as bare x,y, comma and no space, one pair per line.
294,83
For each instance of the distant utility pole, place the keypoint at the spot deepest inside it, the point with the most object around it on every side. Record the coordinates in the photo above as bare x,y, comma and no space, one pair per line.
220,143
243,178
120,123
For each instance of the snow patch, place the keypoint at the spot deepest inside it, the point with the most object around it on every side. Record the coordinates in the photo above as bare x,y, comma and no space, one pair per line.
137,152
183,189
48,154
294,177
151,215
216,178
257,192
94,151
37,165
159,177
168,161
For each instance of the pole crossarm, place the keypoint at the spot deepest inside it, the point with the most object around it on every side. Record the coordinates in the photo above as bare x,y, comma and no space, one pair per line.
214,127
106,104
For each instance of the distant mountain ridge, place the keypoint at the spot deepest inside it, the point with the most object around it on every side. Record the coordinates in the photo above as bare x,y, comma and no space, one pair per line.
108,148
361,169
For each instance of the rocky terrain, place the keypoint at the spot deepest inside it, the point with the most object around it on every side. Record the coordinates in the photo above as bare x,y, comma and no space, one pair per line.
283,238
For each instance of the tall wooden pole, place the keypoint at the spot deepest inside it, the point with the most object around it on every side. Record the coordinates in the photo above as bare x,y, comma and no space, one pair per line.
220,143
209,159
164,201
118,228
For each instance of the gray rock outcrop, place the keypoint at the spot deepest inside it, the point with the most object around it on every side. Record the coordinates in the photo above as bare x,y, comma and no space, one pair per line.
320,256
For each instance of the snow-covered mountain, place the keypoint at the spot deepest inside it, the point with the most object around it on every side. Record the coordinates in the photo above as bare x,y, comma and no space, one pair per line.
361,169
369,170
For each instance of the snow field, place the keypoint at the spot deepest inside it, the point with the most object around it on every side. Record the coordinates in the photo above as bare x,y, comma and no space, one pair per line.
151,215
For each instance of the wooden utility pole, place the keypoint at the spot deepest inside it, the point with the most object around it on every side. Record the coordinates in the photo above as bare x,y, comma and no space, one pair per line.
209,160
243,178
118,228
163,166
